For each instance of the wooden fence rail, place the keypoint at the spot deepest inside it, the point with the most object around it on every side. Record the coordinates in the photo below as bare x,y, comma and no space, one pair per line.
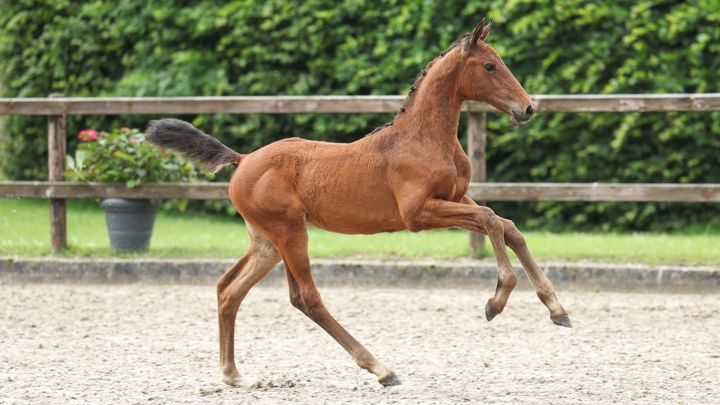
478,191
57,107
202,105
340,104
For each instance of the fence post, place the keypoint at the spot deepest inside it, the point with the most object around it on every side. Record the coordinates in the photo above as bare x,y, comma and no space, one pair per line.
477,133
57,140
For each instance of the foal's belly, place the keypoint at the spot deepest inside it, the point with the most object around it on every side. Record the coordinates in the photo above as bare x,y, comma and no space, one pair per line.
357,228
354,213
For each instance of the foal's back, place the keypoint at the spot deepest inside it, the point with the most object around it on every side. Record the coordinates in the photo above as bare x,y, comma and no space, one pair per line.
334,186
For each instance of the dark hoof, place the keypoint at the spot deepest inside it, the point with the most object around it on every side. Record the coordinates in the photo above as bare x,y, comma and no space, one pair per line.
562,320
490,312
390,380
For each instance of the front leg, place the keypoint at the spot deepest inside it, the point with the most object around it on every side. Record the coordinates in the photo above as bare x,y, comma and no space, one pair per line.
439,214
543,287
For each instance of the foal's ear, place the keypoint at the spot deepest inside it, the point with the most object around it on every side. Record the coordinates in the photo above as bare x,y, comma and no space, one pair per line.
486,31
481,32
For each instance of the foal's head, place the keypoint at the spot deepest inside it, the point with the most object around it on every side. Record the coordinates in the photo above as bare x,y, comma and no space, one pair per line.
485,77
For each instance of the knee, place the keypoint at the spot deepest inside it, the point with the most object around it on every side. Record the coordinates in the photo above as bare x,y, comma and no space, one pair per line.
492,223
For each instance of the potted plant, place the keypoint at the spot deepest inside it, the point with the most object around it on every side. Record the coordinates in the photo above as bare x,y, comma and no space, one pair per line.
123,156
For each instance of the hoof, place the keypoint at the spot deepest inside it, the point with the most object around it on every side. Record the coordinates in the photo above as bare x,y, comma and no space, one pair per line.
562,320
244,382
389,380
490,312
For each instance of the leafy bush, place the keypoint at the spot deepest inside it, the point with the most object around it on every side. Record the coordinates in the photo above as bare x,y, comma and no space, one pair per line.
280,47
123,156
610,47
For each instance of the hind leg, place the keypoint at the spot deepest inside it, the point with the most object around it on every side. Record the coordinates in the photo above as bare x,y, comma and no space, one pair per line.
305,297
232,288
271,200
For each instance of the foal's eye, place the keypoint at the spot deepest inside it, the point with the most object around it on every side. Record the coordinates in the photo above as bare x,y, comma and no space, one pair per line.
490,67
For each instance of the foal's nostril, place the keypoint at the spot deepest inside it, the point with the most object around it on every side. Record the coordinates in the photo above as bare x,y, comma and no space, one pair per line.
529,112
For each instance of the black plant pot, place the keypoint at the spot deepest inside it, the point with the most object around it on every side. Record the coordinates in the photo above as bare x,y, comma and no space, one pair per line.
129,222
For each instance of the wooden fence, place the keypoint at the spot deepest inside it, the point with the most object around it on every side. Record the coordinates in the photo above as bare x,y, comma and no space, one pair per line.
57,107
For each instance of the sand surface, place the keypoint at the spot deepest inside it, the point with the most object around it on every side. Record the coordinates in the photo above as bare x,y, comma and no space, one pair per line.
158,344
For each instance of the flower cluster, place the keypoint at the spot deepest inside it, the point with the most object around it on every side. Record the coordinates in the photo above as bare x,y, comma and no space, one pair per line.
88,135
122,155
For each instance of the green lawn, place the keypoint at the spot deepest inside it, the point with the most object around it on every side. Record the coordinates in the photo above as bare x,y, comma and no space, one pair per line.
24,231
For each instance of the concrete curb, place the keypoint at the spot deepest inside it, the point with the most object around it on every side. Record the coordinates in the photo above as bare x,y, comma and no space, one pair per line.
81,270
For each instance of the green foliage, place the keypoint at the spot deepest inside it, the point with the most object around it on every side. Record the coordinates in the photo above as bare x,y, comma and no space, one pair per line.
274,47
123,156
610,47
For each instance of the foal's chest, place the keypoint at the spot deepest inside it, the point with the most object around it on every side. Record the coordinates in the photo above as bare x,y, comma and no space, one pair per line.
452,182
462,173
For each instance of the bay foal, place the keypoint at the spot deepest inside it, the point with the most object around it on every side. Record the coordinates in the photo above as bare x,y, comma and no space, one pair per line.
410,174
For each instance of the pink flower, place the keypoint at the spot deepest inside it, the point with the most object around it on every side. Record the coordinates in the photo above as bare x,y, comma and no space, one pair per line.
88,135
124,129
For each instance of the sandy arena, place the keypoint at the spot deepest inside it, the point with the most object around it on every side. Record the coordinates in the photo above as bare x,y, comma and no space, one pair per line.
158,344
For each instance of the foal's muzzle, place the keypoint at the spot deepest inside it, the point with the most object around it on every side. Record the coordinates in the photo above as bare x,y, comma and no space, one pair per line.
525,116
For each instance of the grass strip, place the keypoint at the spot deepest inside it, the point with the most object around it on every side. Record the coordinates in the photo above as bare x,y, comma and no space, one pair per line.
25,231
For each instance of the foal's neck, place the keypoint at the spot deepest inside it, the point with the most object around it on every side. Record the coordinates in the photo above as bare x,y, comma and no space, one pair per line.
432,112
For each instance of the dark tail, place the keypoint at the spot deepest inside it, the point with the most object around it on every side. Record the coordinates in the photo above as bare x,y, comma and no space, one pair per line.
181,136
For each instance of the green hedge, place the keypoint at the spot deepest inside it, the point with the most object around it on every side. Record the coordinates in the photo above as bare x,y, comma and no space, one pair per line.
250,47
